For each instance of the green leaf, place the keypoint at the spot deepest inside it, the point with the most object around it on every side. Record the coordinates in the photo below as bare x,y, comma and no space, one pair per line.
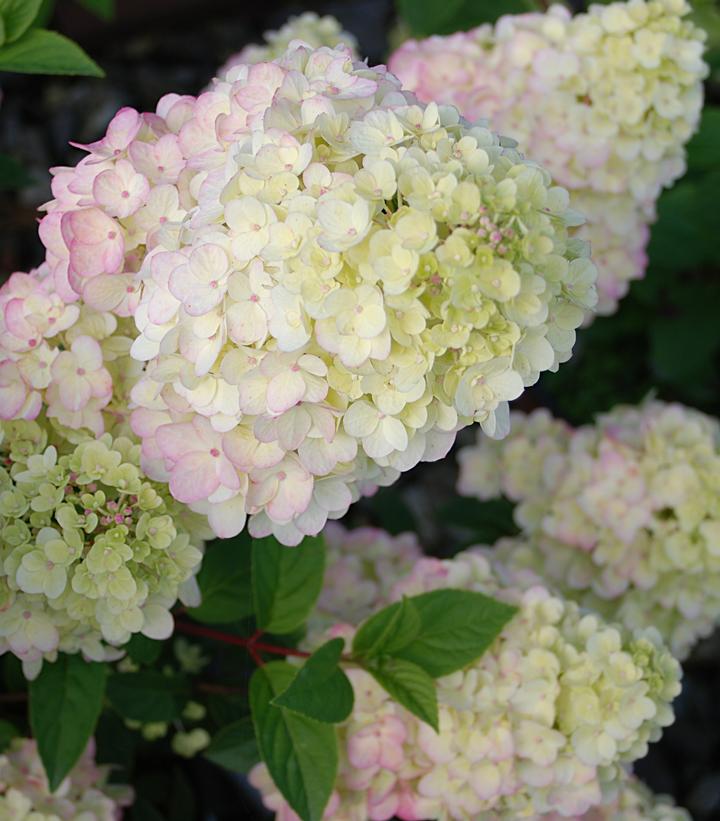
286,582
143,650
104,9
65,703
234,747
320,690
441,631
410,686
46,52
388,630
12,175
17,16
300,754
8,731
147,696
224,580
457,627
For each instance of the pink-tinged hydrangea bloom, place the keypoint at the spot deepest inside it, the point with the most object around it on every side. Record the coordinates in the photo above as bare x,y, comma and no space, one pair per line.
72,358
606,100
362,565
621,515
541,725
92,552
309,27
83,794
335,282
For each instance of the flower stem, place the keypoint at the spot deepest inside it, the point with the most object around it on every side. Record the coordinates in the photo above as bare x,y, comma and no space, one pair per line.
251,643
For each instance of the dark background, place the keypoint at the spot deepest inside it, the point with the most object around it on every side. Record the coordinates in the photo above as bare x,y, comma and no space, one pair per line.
665,337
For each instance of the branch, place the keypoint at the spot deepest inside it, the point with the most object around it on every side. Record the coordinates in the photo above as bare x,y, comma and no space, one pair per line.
250,643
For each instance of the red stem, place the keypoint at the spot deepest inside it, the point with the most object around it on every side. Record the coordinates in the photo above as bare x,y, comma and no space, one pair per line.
251,643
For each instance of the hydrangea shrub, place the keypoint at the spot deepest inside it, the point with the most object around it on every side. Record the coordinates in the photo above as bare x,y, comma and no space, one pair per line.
621,515
267,300
605,100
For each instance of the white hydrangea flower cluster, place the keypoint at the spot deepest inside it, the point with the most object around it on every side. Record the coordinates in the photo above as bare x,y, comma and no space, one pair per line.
361,567
327,278
540,724
622,515
606,100
308,27
90,551
84,794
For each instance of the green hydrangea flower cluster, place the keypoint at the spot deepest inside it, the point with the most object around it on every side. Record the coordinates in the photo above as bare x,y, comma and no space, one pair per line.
90,550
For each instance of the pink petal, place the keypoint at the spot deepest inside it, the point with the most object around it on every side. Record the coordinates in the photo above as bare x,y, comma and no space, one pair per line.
177,440
193,477
285,390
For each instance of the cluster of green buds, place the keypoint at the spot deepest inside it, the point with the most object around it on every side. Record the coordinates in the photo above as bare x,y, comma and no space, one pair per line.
91,551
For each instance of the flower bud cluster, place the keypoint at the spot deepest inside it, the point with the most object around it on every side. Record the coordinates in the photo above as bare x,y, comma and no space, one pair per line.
73,361
90,551
541,723
606,100
83,795
622,515
327,279
312,29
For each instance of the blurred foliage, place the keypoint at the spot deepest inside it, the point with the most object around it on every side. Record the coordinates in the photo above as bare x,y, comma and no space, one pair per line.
105,9
25,48
424,17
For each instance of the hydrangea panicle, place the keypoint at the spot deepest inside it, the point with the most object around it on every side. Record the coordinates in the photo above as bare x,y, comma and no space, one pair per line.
606,100
621,515
342,278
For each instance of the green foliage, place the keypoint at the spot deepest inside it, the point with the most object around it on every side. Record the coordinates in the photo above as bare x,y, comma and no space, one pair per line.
300,753
143,650
456,627
65,703
320,690
13,176
390,511
485,522
224,580
148,695
234,747
389,630
409,685
425,17
286,582
104,9
16,17
8,731
46,52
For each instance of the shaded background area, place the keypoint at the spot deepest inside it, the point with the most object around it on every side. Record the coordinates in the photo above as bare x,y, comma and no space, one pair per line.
664,338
